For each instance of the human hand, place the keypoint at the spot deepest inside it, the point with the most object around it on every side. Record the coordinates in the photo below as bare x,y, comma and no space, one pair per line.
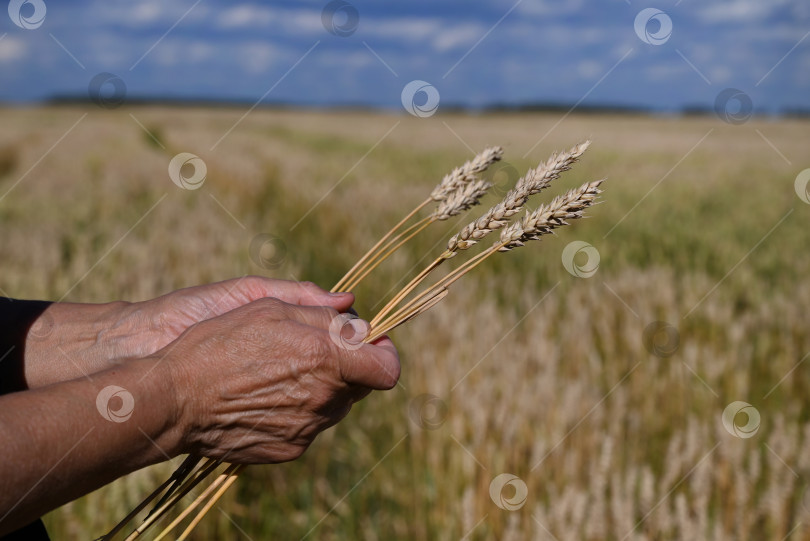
157,322
257,384
90,337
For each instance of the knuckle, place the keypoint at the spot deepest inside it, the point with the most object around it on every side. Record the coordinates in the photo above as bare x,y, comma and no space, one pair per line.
329,313
255,283
310,288
275,306
270,302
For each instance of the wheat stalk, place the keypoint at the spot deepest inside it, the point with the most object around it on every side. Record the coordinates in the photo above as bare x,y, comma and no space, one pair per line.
458,191
544,220
460,200
224,481
454,187
201,473
535,181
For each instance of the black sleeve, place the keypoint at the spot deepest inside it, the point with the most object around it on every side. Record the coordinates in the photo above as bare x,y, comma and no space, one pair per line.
16,317
33,532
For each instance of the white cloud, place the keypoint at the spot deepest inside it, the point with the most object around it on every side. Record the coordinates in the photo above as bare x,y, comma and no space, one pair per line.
458,36
588,69
342,60
304,21
142,14
146,12
667,72
736,11
177,52
200,51
720,74
245,16
412,29
257,57
12,49
307,21
548,7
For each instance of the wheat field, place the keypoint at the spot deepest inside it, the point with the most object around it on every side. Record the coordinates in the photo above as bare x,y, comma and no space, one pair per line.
603,395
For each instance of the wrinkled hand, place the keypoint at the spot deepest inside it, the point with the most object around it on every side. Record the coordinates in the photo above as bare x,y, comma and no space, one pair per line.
258,383
91,337
165,318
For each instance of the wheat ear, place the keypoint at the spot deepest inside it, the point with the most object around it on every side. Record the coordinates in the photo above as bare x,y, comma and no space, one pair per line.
457,202
535,181
534,225
454,182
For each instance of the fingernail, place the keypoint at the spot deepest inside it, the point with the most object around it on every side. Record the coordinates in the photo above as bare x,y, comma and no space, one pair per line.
338,293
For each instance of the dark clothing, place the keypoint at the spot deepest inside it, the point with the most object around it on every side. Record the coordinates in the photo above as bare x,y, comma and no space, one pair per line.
33,532
16,318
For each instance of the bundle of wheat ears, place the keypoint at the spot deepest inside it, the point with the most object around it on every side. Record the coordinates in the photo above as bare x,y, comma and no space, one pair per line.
458,191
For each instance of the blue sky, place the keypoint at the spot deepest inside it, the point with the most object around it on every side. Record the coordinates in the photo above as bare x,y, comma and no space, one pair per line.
473,53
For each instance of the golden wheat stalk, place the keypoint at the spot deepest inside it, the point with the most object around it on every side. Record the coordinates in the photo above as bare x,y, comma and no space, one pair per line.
458,192
457,202
225,481
454,186
535,181
222,482
534,225
195,477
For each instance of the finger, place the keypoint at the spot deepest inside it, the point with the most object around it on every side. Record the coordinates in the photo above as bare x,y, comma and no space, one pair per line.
385,342
211,300
342,327
301,293
373,366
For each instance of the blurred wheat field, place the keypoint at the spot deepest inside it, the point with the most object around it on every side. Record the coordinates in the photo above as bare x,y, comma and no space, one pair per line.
531,371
